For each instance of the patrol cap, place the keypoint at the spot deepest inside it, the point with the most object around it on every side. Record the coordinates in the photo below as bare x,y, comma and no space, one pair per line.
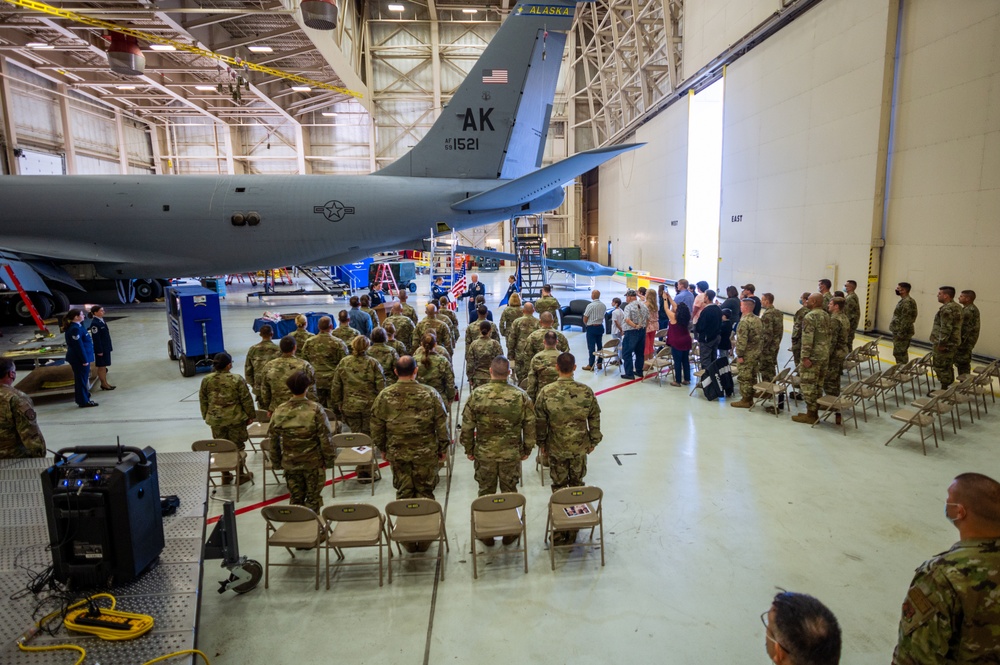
749,287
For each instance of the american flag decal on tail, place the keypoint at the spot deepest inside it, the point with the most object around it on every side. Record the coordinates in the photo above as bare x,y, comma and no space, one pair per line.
494,76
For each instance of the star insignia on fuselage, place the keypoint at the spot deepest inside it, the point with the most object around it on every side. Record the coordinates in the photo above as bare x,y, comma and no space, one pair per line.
334,211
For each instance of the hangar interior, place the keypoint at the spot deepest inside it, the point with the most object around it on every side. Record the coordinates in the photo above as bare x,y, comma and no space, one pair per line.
857,139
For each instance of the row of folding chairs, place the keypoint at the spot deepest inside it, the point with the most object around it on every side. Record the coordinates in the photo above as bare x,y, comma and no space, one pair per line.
413,521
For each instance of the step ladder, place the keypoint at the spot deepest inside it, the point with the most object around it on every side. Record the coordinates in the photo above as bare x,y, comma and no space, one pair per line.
321,277
26,299
442,257
384,278
528,240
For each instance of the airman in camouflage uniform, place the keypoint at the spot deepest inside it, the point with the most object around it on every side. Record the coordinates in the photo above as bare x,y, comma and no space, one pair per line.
547,303
324,352
544,368
399,347
384,354
824,288
472,332
409,425
901,326
356,383
520,330
435,370
447,315
946,335
970,332
951,613
257,357
344,332
815,356
226,405
407,310
852,309
301,335
749,340
535,342
430,323
567,428
772,330
480,356
273,390
402,324
302,445
19,433
498,431
800,314
840,327
366,307
512,312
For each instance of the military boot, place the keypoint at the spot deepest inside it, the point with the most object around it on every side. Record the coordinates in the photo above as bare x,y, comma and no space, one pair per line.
808,418
744,403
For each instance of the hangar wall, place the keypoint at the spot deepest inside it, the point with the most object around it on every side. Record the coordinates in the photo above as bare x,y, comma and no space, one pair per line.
712,26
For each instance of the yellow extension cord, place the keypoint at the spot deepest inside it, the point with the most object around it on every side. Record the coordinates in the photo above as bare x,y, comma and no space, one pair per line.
141,624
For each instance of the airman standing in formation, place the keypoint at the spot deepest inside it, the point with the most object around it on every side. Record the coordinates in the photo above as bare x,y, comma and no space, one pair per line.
543,369
512,312
344,332
301,335
970,332
547,303
480,354
402,324
399,347
449,316
386,356
302,444
568,428
901,326
522,327
435,369
472,331
946,335
226,407
273,387
535,341
430,323
406,308
840,328
824,288
749,341
772,330
815,356
366,307
800,314
356,383
852,308
19,432
257,358
324,352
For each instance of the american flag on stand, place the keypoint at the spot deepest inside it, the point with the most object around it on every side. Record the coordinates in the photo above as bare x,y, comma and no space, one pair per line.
457,289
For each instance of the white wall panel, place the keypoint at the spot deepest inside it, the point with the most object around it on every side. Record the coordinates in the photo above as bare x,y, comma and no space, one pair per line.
641,192
944,191
800,152
711,26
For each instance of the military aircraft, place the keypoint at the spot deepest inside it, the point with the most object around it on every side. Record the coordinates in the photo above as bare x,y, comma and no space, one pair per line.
479,163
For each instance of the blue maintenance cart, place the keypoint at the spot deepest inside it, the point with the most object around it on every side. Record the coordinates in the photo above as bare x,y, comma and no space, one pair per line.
194,322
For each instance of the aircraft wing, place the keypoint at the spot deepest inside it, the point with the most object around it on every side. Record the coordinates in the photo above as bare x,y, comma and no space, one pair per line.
575,267
529,187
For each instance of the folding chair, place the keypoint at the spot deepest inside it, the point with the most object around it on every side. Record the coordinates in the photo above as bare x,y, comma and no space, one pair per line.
984,381
497,515
540,468
225,458
288,527
831,405
915,417
265,449
871,354
888,380
925,365
355,450
910,373
257,431
660,339
663,360
354,525
572,509
853,361
608,352
416,521
940,404
769,390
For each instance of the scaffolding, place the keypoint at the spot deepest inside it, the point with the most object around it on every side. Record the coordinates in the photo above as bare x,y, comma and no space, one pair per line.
528,239
442,257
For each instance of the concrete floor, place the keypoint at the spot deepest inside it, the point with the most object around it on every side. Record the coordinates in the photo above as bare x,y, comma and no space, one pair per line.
708,512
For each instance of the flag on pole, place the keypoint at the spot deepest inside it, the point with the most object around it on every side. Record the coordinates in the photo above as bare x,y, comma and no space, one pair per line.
457,289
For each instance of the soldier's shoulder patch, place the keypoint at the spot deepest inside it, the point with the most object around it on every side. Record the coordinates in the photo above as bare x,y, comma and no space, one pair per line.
917,610
29,413
76,337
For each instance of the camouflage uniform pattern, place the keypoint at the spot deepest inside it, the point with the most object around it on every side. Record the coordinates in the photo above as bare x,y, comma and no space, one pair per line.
439,328
840,327
404,330
409,425
951,613
19,433
522,327
947,333
970,335
302,446
400,348
797,334
542,372
507,318
498,429
436,373
472,332
409,312
827,297
772,330
853,311
548,304
536,343
324,352
257,358
226,406
452,320
387,358
815,347
273,390
901,327
478,358
356,383
301,336
567,427
749,338
345,333
372,315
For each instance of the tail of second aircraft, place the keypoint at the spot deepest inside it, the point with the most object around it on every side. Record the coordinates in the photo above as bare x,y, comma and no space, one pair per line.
496,124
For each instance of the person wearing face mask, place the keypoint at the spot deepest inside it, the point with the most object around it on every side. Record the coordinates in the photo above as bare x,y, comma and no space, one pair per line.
901,325
951,612
800,630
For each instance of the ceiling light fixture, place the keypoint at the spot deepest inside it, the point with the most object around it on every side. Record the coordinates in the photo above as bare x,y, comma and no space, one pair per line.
301,88
396,8
206,88
125,87
327,114
162,47
39,45
470,10
260,49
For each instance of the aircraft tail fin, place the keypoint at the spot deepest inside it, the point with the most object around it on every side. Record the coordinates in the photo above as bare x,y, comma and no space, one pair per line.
496,124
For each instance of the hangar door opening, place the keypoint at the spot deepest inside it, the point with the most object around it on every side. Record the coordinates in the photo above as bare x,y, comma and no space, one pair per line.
704,184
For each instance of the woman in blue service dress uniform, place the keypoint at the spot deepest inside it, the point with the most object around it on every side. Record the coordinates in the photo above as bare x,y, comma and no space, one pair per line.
79,355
